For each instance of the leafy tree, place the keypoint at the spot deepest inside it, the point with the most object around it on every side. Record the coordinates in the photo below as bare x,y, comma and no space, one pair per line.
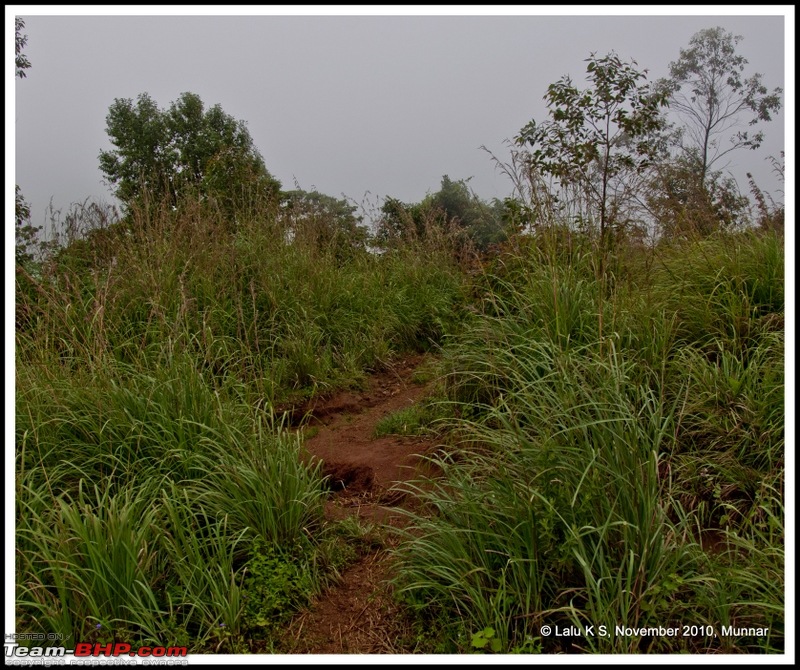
323,222
25,232
455,200
163,154
143,160
22,62
709,92
453,208
681,207
599,140
600,137
477,222
401,221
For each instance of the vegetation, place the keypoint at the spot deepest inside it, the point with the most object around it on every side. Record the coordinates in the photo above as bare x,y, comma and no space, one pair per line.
454,209
164,154
21,61
710,95
25,232
598,138
612,484
712,101
610,403
150,373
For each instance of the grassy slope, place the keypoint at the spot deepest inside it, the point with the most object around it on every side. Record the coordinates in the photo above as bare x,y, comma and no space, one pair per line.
594,471
159,501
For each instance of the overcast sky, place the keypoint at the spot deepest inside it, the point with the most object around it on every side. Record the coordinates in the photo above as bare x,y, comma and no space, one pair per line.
344,104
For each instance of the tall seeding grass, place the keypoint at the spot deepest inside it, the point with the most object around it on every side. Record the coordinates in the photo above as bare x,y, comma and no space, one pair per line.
160,499
616,448
633,478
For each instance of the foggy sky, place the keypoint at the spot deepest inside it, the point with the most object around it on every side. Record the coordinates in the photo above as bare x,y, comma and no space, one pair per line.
344,104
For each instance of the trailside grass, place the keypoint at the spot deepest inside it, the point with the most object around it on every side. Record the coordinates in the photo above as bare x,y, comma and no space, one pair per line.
159,498
630,477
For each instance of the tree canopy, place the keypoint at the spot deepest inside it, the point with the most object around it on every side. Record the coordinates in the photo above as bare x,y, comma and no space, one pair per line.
454,208
598,137
21,60
324,222
164,153
712,97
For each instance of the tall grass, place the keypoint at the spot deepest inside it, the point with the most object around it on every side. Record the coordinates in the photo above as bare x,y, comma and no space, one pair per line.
251,307
629,480
159,500
140,513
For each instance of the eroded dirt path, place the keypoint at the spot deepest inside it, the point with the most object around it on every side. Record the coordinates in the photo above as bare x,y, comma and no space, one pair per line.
358,614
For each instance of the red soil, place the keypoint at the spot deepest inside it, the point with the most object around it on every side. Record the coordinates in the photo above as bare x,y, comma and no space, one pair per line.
358,614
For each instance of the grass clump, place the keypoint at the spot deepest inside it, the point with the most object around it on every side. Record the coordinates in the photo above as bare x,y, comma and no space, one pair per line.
419,419
594,470
158,497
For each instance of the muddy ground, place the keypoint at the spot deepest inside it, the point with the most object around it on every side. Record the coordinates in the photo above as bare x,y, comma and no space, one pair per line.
358,614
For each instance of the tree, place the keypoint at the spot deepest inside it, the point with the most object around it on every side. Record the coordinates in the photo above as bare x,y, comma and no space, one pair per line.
466,212
600,137
324,223
401,221
25,232
164,154
453,209
21,61
682,208
707,89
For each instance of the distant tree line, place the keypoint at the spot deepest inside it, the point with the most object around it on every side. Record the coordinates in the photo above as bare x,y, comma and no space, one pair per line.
619,157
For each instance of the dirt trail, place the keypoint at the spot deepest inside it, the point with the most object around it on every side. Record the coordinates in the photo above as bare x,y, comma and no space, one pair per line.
357,616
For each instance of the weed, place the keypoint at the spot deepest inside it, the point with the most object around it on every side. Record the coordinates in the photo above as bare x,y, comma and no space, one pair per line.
485,640
277,583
